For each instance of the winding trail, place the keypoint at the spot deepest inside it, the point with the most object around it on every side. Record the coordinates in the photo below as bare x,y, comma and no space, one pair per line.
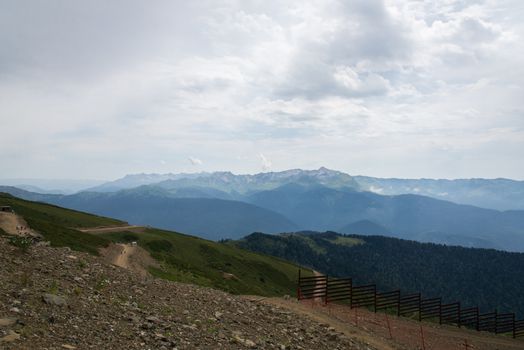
122,259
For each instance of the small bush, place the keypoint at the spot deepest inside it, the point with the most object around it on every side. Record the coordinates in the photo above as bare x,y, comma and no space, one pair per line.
160,245
21,242
129,237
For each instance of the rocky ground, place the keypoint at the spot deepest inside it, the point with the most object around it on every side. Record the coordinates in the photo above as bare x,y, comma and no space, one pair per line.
53,298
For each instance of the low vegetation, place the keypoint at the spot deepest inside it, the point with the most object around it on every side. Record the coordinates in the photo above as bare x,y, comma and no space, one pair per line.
181,257
57,224
195,260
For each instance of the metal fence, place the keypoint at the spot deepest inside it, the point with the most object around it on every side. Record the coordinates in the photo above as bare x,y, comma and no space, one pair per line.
328,289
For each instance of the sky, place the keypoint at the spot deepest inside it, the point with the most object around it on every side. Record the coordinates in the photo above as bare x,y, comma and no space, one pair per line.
99,89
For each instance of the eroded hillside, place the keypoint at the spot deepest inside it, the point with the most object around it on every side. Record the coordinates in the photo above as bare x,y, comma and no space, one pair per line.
55,298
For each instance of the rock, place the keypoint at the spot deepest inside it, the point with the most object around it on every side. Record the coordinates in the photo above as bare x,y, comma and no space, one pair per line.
250,343
218,314
15,310
228,276
11,337
332,336
153,319
6,322
246,342
52,299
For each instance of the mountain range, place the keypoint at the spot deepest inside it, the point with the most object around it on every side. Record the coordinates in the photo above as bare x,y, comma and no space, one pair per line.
223,205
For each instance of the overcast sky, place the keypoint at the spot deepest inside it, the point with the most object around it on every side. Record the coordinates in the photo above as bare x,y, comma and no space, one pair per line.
100,89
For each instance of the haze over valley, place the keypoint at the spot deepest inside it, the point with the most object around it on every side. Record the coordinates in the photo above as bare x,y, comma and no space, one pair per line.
222,205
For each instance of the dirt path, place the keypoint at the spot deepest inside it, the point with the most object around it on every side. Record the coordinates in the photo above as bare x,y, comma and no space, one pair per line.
16,225
122,259
372,328
129,257
109,229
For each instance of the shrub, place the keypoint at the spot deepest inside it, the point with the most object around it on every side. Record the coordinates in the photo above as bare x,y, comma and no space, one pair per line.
23,243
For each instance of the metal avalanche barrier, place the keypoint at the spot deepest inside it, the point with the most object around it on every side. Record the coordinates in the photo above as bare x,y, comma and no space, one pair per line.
331,289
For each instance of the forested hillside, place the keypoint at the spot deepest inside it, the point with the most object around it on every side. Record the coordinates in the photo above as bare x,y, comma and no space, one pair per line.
484,277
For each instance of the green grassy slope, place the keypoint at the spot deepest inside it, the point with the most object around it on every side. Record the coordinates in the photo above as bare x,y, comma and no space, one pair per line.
56,224
195,260
181,257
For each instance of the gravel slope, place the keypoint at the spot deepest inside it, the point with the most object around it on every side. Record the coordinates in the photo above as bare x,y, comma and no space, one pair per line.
53,298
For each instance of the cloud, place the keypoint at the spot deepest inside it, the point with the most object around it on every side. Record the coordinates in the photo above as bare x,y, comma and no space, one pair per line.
194,161
266,163
386,87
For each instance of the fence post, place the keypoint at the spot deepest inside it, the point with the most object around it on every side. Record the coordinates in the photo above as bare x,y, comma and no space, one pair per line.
478,319
514,326
420,309
398,305
459,314
351,296
298,285
375,299
326,291
440,311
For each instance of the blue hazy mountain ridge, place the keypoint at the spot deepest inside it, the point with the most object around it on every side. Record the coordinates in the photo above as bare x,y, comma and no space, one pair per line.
208,218
233,184
500,194
405,216
309,200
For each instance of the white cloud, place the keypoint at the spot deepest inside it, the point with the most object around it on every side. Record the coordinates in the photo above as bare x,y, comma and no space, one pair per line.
194,161
266,163
392,88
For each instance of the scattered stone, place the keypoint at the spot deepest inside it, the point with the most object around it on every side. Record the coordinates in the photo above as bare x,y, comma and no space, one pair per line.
153,319
7,322
11,337
52,299
136,313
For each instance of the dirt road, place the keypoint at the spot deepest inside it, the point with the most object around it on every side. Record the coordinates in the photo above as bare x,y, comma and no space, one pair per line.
109,229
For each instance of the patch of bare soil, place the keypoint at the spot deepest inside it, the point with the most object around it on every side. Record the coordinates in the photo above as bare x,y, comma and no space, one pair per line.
129,256
372,328
16,225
